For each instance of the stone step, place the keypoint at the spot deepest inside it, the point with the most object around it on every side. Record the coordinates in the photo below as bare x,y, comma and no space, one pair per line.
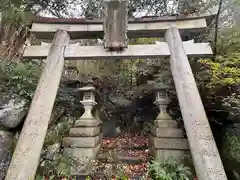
136,142
126,147
101,176
133,171
136,176
126,156
129,151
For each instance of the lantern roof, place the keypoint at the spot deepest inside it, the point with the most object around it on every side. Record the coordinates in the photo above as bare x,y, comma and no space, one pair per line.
159,86
87,88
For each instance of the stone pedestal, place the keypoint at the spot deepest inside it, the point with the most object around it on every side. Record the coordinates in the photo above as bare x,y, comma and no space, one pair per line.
84,141
167,140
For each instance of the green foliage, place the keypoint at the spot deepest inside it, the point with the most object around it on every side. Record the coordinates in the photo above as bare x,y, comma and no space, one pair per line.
225,71
14,15
35,6
229,40
88,178
58,168
219,79
57,131
139,41
20,78
169,170
232,148
232,105
121,175
236,175
38,177
16,19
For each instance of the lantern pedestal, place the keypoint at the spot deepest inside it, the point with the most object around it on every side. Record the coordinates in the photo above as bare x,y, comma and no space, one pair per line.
167,140
84,141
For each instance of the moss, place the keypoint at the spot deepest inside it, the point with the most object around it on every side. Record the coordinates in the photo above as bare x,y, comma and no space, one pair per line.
231,155
231,147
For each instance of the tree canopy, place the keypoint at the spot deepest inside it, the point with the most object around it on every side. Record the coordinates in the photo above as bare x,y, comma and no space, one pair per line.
71,8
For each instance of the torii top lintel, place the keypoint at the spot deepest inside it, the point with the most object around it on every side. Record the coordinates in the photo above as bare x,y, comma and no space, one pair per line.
80,28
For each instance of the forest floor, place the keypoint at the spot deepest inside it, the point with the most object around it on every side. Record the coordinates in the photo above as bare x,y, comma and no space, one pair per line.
126,155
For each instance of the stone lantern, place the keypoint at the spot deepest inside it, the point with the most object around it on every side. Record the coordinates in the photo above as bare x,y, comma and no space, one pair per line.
88,103
166,140
162,100
83,143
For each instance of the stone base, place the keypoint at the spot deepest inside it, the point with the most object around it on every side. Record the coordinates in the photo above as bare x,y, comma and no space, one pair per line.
83,159
167,132
81,142
169,143
89,153
162,155
166,124
87,123
83,146
84,131
168,148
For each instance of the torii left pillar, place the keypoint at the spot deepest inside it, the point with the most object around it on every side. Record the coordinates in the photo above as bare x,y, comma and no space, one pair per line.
26,156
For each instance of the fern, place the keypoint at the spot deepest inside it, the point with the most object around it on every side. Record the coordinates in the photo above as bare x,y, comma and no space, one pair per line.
169,170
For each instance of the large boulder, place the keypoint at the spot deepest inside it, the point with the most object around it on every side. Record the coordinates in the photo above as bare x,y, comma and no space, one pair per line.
12,114
6,142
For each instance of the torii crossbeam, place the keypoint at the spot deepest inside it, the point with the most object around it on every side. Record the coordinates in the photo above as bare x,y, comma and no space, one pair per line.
203,148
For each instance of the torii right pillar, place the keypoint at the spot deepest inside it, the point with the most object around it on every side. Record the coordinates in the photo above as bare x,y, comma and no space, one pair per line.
206,158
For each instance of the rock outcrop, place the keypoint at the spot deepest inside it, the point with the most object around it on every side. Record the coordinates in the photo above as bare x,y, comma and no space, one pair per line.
12,114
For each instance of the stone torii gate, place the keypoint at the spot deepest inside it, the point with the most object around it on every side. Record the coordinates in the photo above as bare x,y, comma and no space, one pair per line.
115,29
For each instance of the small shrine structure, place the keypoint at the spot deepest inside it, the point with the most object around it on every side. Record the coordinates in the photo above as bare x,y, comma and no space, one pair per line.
116,28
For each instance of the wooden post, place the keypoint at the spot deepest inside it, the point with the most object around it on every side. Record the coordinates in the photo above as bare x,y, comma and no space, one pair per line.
203,148
26,156
115,24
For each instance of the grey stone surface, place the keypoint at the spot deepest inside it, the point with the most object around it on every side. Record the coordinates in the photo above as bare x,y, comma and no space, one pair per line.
12,114
84,159
26,156
87,123
162,155
115,24
166,140
84,142
167,132
170,143
89,153
84,131
206,158
166,123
